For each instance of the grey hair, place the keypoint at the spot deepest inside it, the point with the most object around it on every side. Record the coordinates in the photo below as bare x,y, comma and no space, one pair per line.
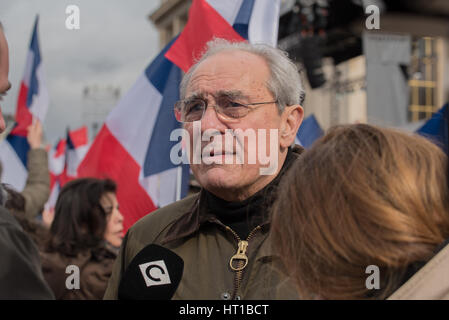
284,83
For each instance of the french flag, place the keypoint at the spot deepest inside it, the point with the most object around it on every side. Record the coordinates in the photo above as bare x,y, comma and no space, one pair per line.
56,165
32,103
64,160
133,147
56,161
309,131
76,149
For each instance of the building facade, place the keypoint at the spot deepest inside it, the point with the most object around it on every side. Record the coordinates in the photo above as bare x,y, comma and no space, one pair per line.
342,98
170,18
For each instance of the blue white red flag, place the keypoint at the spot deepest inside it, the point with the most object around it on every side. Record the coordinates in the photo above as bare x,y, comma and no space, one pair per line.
133,147
76,149
56,165
436,128
309,131
64,160
56,161
32,103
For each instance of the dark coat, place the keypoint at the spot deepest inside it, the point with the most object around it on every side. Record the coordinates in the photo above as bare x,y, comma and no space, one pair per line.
20,270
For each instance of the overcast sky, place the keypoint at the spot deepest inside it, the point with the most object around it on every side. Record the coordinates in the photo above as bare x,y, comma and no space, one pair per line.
114,44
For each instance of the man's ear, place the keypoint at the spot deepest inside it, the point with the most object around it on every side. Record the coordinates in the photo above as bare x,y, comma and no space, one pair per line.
291,119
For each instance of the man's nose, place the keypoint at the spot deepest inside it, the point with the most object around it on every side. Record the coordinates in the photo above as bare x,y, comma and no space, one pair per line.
211,120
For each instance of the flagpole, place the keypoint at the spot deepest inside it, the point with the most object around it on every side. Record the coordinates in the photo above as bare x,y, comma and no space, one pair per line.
179,174
178,182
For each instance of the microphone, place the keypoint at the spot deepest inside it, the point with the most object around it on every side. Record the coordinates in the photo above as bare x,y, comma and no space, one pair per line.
153,274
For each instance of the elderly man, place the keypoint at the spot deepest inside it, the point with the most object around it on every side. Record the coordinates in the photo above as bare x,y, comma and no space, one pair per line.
222,233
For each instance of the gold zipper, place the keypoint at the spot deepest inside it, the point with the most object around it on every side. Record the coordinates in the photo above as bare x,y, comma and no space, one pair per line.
239,261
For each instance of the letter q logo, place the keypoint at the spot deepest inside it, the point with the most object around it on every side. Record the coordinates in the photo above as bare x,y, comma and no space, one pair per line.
155,273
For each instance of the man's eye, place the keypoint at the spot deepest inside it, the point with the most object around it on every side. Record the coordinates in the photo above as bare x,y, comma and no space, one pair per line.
233,104
229,104
194,106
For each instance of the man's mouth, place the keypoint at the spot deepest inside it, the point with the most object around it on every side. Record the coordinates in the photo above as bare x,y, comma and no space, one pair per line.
219,153
218,157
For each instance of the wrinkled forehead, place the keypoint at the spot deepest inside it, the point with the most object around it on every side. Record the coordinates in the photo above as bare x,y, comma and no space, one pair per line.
230,71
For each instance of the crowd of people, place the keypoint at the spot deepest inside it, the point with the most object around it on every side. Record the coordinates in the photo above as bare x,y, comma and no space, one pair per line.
85,231
360,196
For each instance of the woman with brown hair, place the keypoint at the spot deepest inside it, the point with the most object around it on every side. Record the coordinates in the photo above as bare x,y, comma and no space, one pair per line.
84,239
364,196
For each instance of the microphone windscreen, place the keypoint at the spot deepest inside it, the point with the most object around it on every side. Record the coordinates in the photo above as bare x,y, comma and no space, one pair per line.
153,274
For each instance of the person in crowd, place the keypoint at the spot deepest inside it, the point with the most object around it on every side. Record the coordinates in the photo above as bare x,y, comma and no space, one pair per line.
37,186
86,233
221,232
364,214
20,269
26,205
15,203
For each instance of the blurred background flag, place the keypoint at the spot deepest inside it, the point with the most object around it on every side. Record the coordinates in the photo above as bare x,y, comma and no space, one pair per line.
56,165
76,149
436,128
32,103
64,160
133,146
56,161
309,131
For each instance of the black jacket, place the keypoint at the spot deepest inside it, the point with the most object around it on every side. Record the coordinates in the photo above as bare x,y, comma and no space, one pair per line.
20,268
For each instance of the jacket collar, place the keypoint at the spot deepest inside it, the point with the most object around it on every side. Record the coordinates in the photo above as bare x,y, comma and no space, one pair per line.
198,215
430,282
190,221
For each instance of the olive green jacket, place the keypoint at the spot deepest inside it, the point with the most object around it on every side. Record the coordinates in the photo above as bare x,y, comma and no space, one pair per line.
206,245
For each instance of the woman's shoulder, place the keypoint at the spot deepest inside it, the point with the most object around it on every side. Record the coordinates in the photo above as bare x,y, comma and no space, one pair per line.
99,263
97,271
94,268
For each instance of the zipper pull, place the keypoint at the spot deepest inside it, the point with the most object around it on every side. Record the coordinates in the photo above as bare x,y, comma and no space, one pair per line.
240,256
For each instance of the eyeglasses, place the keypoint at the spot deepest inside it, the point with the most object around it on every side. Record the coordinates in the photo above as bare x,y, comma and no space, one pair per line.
191,110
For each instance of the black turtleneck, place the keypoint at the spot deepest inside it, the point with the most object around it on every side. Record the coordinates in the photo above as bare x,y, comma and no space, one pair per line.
244,216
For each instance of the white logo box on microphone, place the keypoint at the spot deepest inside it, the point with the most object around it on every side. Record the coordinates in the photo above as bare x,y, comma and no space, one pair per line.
155,273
